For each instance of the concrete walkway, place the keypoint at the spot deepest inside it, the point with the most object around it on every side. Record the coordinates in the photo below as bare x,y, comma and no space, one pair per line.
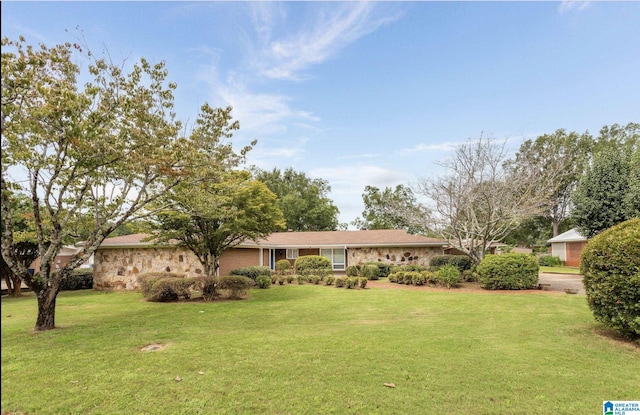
558,282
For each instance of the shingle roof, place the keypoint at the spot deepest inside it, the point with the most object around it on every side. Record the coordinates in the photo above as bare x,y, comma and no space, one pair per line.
386,237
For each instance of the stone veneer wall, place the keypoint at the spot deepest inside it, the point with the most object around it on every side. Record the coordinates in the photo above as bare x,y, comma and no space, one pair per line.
395,256
118,269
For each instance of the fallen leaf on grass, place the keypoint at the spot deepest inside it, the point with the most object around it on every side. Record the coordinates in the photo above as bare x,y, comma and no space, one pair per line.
389,385
200,372
178,379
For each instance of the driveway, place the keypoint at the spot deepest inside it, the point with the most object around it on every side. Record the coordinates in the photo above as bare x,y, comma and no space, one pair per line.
559,282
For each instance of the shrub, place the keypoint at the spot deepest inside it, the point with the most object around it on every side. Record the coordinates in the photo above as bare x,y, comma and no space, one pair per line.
341,282
370,271
263,281
610,264
207,286
148,279
384,268
301,279
363,282
549,261
449,276
170,289
469,275
508,272
352,271
252,272
393,277
236,285
418,279
290,278
281,280
352,282
312,262
314,279
329,280
79,279
461,262
283,266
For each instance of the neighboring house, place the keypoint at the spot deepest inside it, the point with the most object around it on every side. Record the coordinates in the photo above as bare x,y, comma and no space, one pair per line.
64,256
568,246
119,260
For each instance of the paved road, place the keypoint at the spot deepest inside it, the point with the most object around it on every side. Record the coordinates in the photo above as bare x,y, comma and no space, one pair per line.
561,281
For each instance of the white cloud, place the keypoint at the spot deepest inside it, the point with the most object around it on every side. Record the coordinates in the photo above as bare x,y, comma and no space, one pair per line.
425,148
569,5
333,28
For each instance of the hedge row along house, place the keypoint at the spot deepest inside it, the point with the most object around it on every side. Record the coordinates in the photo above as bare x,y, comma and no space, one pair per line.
120,260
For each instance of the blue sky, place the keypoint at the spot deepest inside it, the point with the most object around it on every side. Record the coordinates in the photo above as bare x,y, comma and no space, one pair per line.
375,93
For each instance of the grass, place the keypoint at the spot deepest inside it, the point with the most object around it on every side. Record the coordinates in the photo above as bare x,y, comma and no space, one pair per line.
561,270
312,349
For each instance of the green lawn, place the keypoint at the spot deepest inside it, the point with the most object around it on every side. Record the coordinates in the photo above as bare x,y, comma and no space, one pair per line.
315,350
561,270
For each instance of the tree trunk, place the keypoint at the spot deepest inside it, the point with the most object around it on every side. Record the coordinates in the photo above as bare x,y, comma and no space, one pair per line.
556,225
46,309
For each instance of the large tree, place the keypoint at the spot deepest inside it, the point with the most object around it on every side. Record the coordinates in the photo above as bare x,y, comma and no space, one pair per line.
390,209
560,160
479,199
103,150
304,201
219,213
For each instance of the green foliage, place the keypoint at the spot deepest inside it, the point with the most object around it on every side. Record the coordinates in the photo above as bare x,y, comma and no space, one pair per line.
208,286
461,262
549,261
148,279
301,279
341,281
352,271
449,276
328,280
283,266
303,201
469,275
79,279
610,264
352,282
236,286
370,271
390,209
170,289
418,279
363,282
312,263
508,272
384,268
262,281
600,198
252,272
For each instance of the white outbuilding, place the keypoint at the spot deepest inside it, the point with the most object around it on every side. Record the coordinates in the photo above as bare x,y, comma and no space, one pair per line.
568,246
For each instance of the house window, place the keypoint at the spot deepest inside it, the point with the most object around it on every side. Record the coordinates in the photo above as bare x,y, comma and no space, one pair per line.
337,257
292,253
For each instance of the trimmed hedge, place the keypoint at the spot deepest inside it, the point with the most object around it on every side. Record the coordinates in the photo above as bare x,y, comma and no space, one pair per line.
312,264
383,268
449,276
461,262
283,266
352,271
508,272
263,281
252,272
236,285
610,264
80,279
148,279
370,271
549,261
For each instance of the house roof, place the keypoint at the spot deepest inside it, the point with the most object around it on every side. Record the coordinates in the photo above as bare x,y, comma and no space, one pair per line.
572,235
386,237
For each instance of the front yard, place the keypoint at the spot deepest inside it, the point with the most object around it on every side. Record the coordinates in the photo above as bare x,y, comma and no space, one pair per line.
314,349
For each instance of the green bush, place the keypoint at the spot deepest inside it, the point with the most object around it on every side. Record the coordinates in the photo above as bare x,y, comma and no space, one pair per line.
508,272
469,275
341,282
79,279
252,272
148,279
301,279
263,281
328,280
170,289
363,282
461,262
283,266
610,264
370,271
289,278
352,282
236,285
418,279
312,262
383,268
352,271
281,280
449,276
393,277
208,286
549,261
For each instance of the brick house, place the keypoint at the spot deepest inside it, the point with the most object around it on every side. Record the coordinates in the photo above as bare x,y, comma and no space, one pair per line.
119,260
